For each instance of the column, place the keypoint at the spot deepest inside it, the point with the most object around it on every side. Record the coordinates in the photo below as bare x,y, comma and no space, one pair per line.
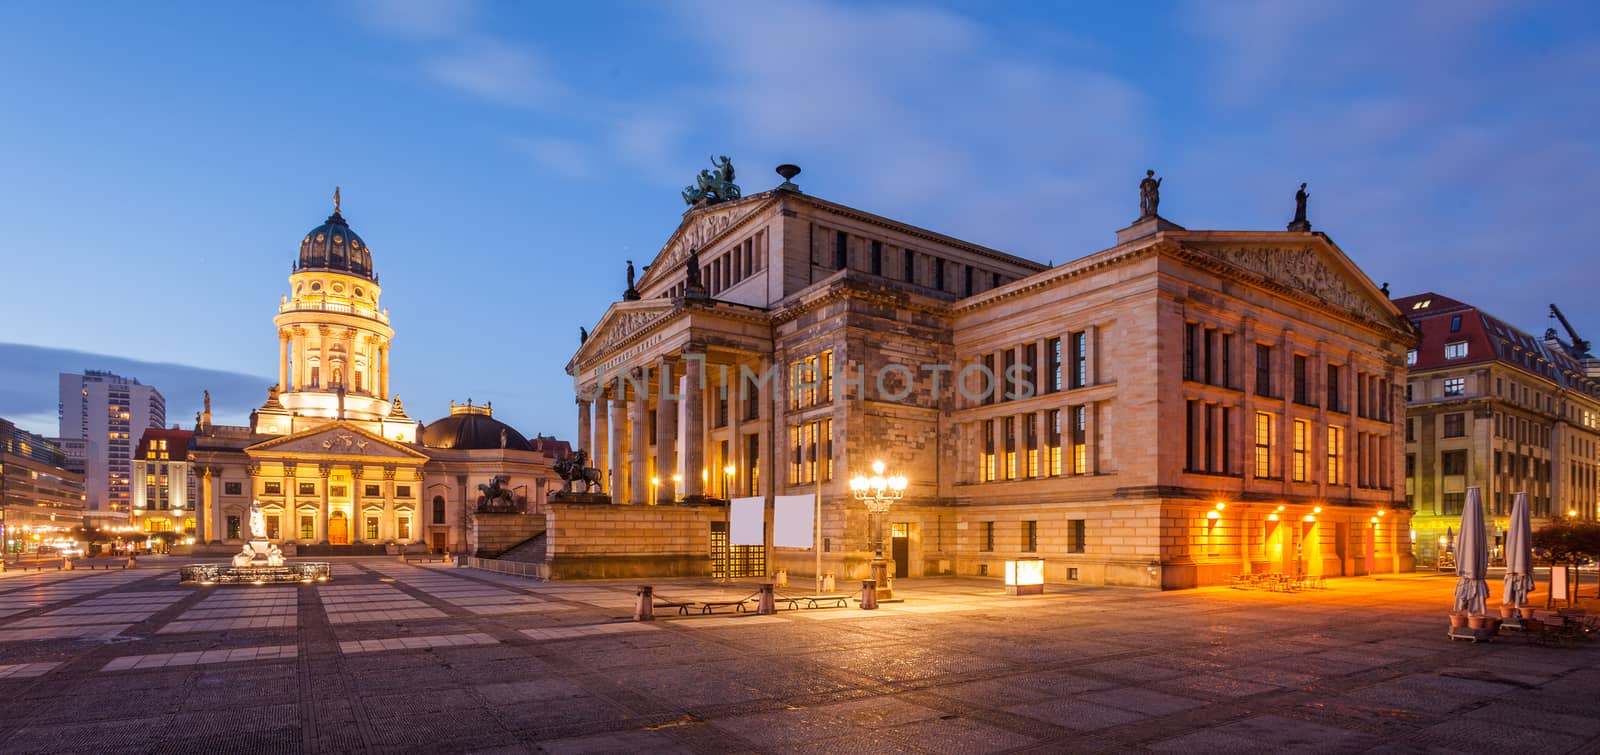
694,432
1244,361
1091,437
391,523
618,481
207,499
289,520
283,359
639,425
583,423
666,430
322,514
600,444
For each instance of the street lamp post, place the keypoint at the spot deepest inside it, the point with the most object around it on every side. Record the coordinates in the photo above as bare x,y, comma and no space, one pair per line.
727,481
878,493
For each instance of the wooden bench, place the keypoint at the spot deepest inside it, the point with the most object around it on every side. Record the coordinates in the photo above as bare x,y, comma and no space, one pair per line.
710,606
683,607
817,601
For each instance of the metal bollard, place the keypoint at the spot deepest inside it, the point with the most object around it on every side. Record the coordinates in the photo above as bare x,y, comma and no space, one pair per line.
645,608
766,605
869,594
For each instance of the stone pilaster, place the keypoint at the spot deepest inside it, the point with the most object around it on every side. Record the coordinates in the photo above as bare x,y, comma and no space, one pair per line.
694,431
618,478
639,464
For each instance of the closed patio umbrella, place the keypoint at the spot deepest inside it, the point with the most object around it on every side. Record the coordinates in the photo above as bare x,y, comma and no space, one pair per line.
1472,557
1519,554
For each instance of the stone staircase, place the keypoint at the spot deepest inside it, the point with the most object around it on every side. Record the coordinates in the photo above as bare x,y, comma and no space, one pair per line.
531,550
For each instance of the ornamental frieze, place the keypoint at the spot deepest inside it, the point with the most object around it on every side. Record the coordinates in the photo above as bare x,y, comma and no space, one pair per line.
1303,270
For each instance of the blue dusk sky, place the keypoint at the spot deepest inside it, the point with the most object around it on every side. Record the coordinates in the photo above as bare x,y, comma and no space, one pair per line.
159,162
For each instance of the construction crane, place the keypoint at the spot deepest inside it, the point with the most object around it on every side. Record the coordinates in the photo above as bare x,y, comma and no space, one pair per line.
1580,347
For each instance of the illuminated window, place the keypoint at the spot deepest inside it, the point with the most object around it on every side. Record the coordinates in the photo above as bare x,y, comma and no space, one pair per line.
1263,445
372,491
1009,429
1336,456
308,527
1455,386
308,488
986,473
372,528
1457,350
988,536
404,528
274,527
1053,441
1302,439
1080,436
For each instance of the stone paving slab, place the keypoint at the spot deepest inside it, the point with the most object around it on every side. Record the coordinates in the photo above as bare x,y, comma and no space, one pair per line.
197,657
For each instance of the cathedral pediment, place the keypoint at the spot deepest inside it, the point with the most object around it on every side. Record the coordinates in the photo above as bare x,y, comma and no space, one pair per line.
1317,269
337,439
701,229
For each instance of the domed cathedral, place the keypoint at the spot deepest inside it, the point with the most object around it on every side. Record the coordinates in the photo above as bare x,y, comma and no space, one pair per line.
333,458
333,341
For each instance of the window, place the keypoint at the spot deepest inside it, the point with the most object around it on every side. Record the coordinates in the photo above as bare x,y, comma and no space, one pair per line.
1009,429
986,473
1411,430
1455,425
1453,462
438,509
233,527
232,488
1030,432
752,453
1030,536
1191,347
1079,343
308,527
308,488
339,491
1455,324
1263,445
402,491
1411,358
967,287
1080,445
1302,442
372,491
1302,393
938,273
988,536
1225,371
1455,386
404,527
841,250
1074,535
272,488
1052,350
804,439
1334,405
274,527
1457,350
908,259
1336,456
1053,441
1263,370
371,529
1452,503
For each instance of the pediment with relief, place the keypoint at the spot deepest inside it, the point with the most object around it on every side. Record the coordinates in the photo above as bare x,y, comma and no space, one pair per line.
622,322
1307,270
699,232
337,439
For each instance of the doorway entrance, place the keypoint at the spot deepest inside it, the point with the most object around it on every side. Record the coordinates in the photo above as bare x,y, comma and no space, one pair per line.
900,549
436,542
338,529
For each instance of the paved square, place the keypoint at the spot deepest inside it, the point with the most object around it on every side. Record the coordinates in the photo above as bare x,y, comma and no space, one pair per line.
390,657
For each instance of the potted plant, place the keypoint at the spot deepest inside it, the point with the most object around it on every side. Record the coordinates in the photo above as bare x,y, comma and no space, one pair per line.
1477,621
1526,611
1458,620
1507,610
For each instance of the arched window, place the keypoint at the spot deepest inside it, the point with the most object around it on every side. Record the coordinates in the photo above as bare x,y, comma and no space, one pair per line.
438,509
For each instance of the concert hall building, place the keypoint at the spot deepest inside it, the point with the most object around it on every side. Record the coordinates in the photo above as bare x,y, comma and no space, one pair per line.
1187,405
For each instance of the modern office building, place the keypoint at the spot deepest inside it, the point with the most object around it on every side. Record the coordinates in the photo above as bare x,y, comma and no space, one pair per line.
108,412
40,502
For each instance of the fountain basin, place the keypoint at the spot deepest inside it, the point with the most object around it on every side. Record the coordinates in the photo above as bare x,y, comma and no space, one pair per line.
224,574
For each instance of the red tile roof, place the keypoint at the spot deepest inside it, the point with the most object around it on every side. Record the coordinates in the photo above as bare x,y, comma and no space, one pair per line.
1443,321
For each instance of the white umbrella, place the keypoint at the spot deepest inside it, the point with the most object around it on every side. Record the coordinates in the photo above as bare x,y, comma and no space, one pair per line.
1519,554
1472,557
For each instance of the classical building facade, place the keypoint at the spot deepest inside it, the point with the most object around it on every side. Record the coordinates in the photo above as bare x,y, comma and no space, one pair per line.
164,488
1178,408
1492,406
331,455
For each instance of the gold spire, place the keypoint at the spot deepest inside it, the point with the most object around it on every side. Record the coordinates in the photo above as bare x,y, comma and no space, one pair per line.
336,200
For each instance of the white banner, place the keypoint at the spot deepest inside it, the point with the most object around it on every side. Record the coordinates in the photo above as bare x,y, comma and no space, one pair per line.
792,521
746,521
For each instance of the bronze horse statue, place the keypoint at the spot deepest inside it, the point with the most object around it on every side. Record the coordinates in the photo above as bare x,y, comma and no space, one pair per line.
496,496
574,469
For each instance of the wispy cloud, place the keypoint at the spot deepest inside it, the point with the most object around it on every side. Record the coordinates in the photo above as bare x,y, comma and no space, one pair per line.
497,71
28,384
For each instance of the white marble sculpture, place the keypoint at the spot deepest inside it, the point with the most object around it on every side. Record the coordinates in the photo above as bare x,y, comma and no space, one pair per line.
258,521
274,555
244,557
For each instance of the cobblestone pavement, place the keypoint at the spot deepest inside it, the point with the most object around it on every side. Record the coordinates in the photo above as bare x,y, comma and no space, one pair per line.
392,657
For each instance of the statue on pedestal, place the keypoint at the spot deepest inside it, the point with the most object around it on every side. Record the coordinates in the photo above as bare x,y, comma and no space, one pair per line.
258,521
1300,223
1149,195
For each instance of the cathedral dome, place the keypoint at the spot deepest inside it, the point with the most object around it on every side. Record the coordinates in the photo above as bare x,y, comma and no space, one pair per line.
334,247
472,428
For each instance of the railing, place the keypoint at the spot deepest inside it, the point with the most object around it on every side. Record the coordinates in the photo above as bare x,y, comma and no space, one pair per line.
331,306
527,569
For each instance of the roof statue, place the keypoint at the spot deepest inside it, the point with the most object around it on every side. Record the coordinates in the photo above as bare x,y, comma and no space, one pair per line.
693,287
1149,195
630,293
712,186
1300,223
336,200
583,335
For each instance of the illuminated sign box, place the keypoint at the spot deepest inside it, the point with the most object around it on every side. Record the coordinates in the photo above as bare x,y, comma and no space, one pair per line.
1025,577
